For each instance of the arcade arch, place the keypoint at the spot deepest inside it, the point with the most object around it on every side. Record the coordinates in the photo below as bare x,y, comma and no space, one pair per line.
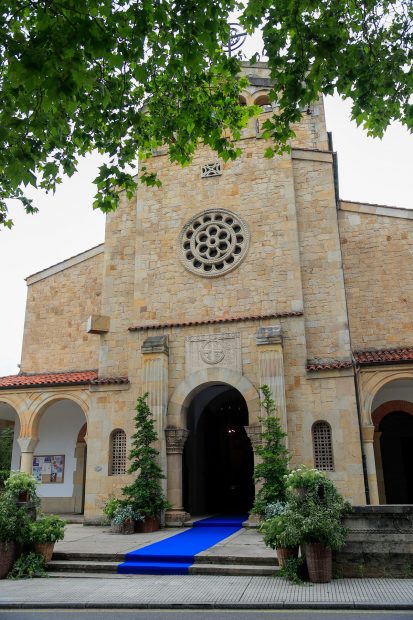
392,417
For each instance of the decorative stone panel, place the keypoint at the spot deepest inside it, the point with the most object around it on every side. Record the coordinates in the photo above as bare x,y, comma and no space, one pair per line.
211,170
219,350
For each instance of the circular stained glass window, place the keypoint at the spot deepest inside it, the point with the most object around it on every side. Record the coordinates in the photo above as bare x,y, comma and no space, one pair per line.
213,242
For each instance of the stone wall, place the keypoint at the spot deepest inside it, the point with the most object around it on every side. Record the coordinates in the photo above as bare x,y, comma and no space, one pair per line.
379,543
377,250
59,301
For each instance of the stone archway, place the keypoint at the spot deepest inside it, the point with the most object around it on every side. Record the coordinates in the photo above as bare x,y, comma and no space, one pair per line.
218,458
393,447
58,431
177,425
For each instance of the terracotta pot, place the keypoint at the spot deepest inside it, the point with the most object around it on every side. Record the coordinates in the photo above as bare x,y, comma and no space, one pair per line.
150,524
319,562
7,556
45,550
286,552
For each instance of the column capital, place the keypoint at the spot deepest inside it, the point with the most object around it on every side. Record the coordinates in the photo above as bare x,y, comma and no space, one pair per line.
156,344
269,335
175,439
27,444
254,435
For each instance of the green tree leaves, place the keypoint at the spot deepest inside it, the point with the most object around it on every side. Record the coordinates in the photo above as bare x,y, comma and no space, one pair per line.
126,76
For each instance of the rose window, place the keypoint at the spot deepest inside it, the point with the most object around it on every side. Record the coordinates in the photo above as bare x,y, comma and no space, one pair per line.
213,242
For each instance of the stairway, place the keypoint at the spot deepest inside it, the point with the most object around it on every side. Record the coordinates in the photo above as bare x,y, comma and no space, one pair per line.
99,564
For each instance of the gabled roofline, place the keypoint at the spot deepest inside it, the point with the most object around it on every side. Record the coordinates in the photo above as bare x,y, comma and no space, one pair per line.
65,264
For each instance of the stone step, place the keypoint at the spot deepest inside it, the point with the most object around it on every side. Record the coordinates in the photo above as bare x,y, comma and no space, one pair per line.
82,566
199,559
98,566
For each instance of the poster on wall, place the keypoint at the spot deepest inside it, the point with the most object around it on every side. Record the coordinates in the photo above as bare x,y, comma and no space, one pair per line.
49,469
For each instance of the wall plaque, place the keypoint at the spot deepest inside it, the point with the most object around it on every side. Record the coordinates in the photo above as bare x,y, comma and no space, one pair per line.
213,350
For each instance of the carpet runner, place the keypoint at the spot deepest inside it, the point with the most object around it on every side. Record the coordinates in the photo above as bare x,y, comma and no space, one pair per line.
175,555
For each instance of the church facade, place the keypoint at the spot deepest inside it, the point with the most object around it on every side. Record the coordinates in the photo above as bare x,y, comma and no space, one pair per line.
227,277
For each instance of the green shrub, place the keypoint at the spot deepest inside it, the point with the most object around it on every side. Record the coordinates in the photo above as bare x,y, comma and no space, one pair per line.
48,528
293,570
273,468
145,493
125,513
14,521
19,482
280,532
6,447
110,508
27,567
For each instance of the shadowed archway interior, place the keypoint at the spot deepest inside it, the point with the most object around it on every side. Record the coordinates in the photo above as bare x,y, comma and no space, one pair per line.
218,457
396,443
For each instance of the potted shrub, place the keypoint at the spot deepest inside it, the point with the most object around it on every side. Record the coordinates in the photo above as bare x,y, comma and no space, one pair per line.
13,528
274,457
317,516
109,510
22,487
44,533
145,494
279,532
126,517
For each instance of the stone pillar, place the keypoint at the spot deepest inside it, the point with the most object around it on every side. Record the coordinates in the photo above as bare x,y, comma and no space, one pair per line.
175,442
379,467
155,381
254,435
270,354
27,446
368,439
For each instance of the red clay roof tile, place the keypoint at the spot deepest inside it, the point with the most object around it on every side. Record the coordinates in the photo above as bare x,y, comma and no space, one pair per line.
86,377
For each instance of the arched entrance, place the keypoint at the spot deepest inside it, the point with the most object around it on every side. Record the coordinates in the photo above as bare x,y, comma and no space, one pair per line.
9,432
396,447
218,460
393,442
59,458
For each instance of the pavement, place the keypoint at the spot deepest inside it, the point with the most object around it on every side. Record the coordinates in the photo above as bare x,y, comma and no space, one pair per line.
194,591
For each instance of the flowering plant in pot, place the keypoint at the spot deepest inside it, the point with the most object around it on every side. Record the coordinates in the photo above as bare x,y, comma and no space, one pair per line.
23,488
145,493
317,516
125,516
44,533
279,532
14,523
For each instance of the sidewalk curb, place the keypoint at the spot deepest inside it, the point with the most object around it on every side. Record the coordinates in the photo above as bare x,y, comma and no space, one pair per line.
236,606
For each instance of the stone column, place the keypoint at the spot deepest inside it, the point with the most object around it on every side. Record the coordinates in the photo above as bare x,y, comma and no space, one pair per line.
270,354
175,442
379,467
368,439
27,446
254,435
155,381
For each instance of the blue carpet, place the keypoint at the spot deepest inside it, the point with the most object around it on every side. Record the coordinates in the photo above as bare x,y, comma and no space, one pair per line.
174,555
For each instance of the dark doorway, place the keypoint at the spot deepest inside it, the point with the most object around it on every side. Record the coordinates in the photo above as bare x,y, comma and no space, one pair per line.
396,445
218,458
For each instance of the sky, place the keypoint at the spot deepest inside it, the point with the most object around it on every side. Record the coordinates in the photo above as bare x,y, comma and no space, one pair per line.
370,170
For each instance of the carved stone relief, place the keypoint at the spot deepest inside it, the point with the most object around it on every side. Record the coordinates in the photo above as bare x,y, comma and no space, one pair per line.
218,350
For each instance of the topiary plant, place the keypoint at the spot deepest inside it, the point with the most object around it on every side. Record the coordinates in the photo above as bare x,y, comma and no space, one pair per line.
145,493
273,468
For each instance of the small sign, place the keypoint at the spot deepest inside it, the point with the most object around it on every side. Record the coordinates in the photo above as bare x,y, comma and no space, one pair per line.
49,469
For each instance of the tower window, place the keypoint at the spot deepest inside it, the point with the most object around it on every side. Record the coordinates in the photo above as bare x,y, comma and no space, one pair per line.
322,446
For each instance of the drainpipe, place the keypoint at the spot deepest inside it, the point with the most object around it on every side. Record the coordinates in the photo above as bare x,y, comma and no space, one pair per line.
356,370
